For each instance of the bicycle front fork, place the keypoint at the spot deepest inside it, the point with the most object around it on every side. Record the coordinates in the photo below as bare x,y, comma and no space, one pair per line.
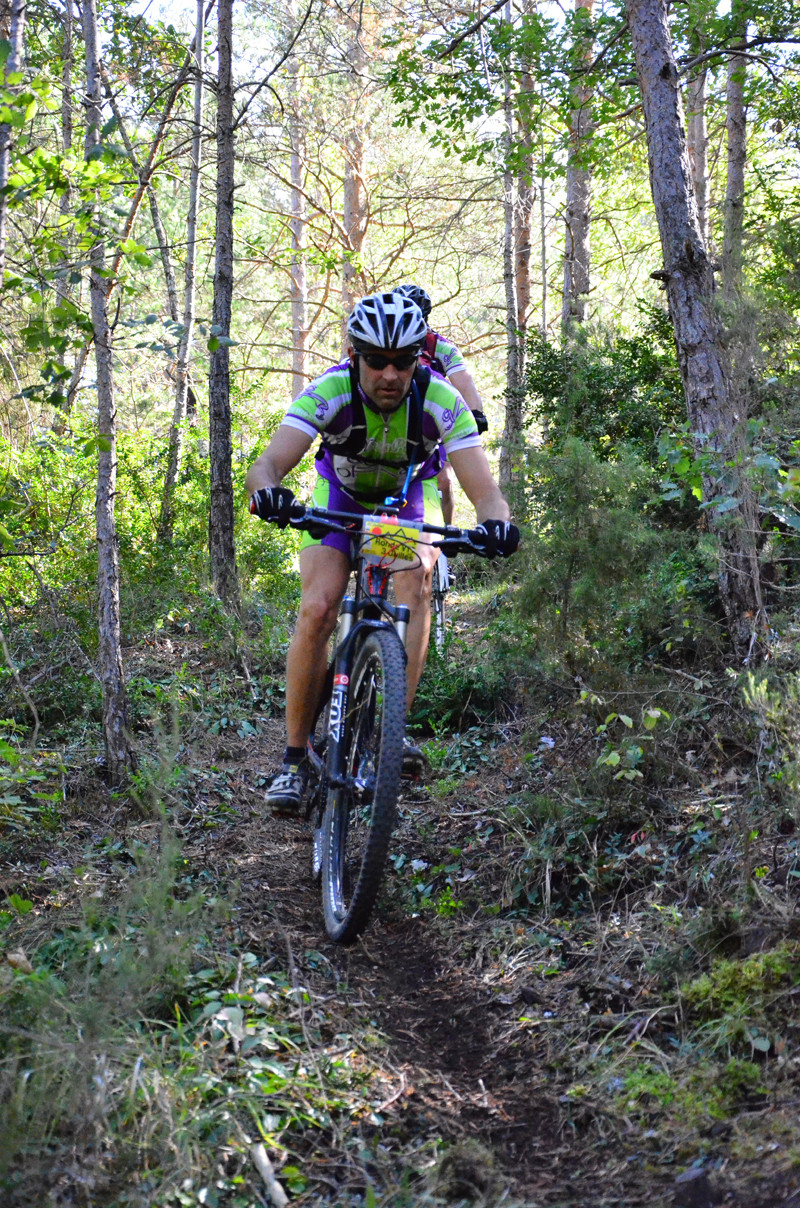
399,614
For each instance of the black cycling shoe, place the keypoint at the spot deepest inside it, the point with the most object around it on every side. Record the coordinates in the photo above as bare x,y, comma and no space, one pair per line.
284,796
414,759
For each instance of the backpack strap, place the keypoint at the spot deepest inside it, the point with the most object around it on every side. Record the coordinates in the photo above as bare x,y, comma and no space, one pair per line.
356,438
353,445
416,406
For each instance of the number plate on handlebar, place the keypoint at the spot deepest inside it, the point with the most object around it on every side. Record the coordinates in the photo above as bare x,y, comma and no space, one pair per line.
390,544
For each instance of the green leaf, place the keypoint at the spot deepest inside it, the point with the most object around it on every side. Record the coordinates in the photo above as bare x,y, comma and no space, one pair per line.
213,344
626,721
791,519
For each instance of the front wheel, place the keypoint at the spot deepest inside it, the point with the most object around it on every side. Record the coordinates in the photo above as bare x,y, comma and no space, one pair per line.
360,813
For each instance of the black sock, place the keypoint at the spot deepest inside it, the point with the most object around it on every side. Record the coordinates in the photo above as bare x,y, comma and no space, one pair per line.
294,755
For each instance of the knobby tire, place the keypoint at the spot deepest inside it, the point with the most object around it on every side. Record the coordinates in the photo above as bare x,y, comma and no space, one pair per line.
359,818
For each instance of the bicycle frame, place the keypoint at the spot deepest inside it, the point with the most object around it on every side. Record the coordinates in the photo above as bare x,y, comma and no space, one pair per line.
368,609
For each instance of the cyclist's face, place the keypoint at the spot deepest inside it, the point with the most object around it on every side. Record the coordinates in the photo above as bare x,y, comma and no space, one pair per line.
388,386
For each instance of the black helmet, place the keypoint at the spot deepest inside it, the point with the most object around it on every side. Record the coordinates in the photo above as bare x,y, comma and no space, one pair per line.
390,321
417,294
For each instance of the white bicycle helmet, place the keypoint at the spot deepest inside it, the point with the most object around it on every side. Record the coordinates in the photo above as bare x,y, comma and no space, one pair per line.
417,294
387,321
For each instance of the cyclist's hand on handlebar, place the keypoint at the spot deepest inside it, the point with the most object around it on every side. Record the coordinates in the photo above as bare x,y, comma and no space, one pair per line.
497,538
273,503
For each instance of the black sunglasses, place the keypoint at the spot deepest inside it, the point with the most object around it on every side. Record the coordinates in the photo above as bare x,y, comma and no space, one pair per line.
376,360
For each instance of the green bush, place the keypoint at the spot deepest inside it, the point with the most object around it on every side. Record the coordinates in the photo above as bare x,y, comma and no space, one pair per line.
607,389
590,543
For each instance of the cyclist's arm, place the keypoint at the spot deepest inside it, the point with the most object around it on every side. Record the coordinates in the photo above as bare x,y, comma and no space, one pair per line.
287,448
473,471
444,481
461,380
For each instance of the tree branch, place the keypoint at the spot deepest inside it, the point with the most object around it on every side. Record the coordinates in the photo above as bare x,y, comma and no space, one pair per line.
448,50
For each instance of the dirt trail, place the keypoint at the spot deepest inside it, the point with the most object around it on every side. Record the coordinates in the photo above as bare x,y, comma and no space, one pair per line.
458,1063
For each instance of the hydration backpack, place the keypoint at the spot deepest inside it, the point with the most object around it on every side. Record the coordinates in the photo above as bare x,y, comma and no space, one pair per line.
428,353
355,440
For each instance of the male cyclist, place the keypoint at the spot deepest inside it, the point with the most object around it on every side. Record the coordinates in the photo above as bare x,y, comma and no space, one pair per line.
443,356
381,419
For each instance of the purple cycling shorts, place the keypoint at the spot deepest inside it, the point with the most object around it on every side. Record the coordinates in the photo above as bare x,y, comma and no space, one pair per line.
422,503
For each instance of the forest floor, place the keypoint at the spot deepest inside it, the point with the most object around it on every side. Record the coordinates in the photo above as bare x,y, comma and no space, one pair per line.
487,1049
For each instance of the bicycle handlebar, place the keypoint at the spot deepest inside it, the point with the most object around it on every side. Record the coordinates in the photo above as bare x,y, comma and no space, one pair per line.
454,540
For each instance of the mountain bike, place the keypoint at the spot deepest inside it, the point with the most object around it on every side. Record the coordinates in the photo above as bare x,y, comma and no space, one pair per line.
357,754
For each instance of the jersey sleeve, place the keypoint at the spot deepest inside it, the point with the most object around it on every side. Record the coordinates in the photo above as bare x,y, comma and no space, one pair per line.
449,356
322,400
453,418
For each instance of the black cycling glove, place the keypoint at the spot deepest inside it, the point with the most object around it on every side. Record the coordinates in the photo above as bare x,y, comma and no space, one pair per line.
273,503
481,421
502,538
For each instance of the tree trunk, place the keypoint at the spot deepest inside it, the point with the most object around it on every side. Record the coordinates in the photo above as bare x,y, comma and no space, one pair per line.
14,62
63,288
355,197
115,711
697,138
718,424
736,131
526,195
512,428
578,209
65,201
299,285
220,525
166,520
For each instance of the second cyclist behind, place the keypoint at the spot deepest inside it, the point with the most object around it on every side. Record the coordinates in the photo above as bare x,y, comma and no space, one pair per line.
444,357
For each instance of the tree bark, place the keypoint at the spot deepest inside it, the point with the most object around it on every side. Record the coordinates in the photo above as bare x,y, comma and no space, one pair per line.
512,428
578,211
716,420
526,195
697,139
65,201
355,216
14,63
543,244
166,522
297,225
736,132
119,756
220,526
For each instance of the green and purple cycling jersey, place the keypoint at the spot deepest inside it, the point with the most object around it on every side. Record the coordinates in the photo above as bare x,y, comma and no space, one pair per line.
325,408
444,354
